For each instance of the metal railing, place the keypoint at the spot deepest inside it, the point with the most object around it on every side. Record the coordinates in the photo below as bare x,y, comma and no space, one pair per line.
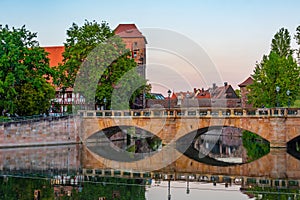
18,119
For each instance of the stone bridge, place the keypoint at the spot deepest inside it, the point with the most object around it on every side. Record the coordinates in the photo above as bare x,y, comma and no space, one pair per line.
278,125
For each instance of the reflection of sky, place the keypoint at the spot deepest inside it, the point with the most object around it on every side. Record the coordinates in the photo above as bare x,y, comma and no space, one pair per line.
197,191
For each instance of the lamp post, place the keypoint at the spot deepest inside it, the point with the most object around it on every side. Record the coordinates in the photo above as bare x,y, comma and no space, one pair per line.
169,191
169,103
104,100
288,92
277,91
187,187
63,90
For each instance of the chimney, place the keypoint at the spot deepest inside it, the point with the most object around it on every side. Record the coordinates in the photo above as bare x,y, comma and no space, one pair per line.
225,84
214,86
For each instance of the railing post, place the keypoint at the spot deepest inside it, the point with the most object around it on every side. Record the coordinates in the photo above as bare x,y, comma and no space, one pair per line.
151,113
285,112
272,111
244,112
208,113
220,113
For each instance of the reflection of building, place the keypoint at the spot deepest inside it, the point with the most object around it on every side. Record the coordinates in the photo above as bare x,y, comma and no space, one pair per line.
134,41
222,144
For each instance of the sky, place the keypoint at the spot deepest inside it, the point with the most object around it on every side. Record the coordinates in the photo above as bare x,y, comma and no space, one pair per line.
234,34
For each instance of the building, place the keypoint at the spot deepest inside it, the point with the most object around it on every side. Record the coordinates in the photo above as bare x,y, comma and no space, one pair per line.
216,96
134,41
245,91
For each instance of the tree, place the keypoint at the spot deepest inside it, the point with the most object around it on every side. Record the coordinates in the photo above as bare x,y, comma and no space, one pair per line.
31,100
297,37
79,43
24,67
281,43
278,69
95,62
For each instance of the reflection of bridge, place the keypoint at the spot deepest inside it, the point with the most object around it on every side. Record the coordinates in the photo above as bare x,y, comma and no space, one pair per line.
277,166
278,126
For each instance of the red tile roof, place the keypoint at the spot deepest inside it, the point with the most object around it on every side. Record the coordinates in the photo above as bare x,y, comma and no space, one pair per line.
55,54
128,31
248,81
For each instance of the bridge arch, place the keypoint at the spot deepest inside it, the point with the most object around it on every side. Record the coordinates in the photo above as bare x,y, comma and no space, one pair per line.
278,128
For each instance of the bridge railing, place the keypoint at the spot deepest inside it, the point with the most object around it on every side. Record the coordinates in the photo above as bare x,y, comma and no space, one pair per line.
194,112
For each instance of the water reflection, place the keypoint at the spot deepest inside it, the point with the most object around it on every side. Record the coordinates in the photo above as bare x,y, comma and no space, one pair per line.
57,172
124,143
293,147
224,146
59,187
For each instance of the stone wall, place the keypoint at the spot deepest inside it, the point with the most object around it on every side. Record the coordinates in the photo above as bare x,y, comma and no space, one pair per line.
45,131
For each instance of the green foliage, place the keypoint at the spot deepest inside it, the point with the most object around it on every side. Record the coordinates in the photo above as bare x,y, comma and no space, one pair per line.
255,145
238,92
276,69
24,67
23,188
32,100
281,43
297,37
79,43
269,193
126,188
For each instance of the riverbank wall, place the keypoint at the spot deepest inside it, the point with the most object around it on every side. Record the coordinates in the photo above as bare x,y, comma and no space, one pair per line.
39,132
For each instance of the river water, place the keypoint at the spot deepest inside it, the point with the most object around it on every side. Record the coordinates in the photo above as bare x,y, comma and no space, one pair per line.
61,172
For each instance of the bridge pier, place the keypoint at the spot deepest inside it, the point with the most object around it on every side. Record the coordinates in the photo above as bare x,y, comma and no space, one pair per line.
278,132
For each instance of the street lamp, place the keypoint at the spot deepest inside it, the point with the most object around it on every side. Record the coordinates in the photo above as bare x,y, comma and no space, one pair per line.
63,90
169,94
104,100
187,187
169,191
277,91
288,92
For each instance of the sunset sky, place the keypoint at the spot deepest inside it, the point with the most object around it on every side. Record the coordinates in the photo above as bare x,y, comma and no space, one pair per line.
233,33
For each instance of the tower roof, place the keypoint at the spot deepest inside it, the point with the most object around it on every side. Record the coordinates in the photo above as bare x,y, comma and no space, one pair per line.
248,81
128,31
